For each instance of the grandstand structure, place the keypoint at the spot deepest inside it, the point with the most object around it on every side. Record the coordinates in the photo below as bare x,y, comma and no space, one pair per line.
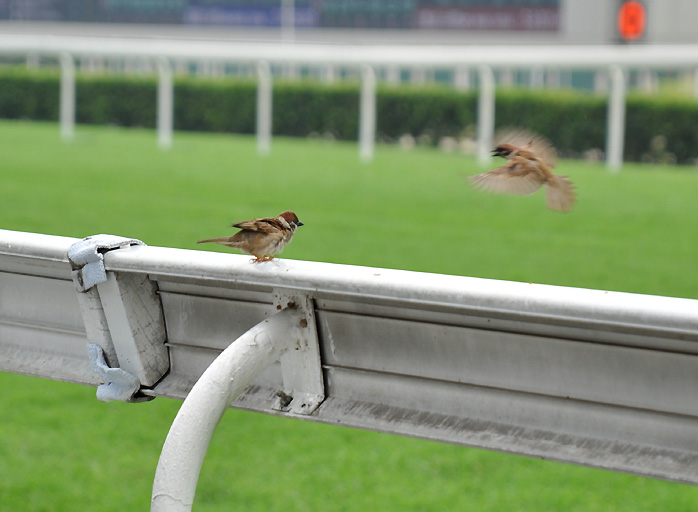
507,22
590,377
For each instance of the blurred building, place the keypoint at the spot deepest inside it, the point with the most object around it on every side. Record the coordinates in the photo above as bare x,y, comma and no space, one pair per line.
356,21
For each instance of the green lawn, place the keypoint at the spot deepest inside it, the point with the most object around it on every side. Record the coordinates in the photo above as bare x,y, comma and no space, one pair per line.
61,449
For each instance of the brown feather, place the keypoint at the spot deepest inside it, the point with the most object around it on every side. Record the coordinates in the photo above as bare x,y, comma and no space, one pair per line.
508,179
525,139
216,240
560,194
531,159
263,238
265,225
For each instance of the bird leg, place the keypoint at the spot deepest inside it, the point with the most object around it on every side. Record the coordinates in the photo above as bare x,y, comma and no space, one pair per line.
260,259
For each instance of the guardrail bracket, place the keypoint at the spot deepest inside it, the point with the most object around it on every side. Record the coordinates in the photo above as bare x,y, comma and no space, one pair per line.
301,368
123,320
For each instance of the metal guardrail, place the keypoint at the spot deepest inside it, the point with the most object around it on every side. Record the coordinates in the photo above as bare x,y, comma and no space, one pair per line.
596,378
482,59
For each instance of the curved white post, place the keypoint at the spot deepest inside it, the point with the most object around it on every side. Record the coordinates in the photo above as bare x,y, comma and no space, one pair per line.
615,129
485,115
367,114
165,103
67,112
264,106
186,444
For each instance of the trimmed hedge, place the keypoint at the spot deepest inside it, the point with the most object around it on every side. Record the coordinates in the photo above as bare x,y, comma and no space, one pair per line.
31,96
574,121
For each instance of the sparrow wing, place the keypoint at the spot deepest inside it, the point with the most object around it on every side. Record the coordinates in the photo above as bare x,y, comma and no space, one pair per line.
256,238
265,225
512,178
536,144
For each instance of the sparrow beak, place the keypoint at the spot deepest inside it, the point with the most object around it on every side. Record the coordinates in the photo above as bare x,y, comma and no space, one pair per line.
299,223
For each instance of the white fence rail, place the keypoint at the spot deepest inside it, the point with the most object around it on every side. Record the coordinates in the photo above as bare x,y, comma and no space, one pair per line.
597,378
617,60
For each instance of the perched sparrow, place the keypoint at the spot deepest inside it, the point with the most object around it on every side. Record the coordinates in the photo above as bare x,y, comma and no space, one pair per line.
262,238
531,158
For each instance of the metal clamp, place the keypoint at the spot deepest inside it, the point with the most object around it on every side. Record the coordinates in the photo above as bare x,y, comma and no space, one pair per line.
119,385
87,258
123,319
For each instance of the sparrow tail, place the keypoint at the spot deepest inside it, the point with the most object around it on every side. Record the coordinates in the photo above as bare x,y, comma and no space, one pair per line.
217,240
560,194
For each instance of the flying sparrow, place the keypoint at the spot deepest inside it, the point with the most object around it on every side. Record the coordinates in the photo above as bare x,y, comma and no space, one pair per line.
262,238
531,160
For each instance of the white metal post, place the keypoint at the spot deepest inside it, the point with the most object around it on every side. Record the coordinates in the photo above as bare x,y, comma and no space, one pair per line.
485,115
615,129
67,113
165,103
187,442
264,107
367,114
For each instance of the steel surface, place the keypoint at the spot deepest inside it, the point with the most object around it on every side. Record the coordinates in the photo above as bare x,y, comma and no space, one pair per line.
603,379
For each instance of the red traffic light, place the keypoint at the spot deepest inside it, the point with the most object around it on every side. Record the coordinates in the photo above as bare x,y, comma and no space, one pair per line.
632,19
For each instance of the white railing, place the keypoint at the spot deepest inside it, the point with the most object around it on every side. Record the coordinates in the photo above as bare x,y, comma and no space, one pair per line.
602,379
617,60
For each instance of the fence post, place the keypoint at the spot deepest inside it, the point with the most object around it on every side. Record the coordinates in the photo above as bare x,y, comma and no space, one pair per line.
367,114
165,103
67,112
485,115
264,107
615,129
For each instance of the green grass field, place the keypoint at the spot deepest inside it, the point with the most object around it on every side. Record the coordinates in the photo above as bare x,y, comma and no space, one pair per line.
61,449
